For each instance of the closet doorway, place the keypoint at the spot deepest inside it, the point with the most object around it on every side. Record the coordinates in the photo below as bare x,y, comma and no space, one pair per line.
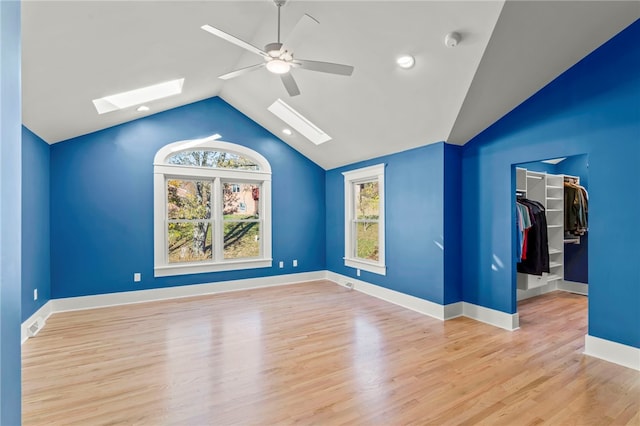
551,249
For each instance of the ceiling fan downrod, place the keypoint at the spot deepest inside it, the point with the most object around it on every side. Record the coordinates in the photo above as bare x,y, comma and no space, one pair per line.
279,3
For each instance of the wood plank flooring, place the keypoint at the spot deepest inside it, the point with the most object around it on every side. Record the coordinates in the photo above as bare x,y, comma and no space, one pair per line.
319,354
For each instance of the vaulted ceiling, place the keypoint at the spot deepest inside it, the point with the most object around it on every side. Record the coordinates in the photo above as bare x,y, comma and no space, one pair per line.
77,51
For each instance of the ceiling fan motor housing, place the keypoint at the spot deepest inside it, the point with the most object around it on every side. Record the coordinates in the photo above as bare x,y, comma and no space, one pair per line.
273,49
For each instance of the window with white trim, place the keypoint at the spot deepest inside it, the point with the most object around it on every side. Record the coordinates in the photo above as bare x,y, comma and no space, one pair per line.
364,219
212,208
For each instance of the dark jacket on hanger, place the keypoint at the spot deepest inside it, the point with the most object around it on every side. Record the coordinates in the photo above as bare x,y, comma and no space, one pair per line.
575,209
537,260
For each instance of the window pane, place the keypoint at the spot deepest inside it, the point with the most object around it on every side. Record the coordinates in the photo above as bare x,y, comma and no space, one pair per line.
214,159
240,200
367,241
241,239
367,200
188,199
189,242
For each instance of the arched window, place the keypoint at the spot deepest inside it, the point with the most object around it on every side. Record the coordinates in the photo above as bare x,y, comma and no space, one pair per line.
212,208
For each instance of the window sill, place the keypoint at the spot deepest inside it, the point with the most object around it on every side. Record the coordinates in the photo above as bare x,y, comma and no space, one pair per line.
366,266
202,268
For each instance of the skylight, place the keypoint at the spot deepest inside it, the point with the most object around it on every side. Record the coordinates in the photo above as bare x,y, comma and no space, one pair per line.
296,120
138,96
554,160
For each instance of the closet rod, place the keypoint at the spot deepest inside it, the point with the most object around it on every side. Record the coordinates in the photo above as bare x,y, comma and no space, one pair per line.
534,177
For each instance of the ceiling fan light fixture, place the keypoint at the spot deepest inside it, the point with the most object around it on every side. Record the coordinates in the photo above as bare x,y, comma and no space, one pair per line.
278,66
405,61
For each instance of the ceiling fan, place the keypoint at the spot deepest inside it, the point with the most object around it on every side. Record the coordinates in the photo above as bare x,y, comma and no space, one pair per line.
278,57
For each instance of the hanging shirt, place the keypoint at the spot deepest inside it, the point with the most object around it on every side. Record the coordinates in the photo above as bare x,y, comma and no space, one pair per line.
536,250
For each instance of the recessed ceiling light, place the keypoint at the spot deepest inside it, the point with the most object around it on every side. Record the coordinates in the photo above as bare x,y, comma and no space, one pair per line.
406,61
138,96
142,108
300,123
287,132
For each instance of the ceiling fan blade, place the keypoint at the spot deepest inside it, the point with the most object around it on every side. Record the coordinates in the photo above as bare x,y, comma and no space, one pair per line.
327,67
241,71
234,40
304,25
290,84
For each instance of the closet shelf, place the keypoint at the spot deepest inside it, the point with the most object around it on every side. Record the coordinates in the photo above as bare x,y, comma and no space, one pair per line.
547,189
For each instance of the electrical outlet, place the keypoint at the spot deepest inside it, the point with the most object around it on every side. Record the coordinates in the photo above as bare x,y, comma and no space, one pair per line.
358,272
281,264
295,263
137,277
35,294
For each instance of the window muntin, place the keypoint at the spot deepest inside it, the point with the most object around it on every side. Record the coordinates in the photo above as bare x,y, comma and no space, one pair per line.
364,219
212,204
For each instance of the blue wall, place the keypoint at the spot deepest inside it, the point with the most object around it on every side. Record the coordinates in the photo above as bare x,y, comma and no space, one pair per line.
576,165
36,241
452,216
414,222
591,109
10,212
102,201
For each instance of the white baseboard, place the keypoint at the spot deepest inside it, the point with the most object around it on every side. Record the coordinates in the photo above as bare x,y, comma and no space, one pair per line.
406,301
453,310
574,287
627,356
149,295
44,312
435,310
491,316
624,355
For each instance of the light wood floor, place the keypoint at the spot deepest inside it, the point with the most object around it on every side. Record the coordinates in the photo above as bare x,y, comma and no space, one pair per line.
319,354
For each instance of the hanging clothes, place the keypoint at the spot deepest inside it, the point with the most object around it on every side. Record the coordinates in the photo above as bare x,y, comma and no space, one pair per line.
523,223
535,241
576,208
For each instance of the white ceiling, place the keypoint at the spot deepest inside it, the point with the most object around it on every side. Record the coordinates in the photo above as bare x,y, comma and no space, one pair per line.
77,51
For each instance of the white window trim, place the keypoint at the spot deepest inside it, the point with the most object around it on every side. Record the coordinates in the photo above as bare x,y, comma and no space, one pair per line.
366,174
162,171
